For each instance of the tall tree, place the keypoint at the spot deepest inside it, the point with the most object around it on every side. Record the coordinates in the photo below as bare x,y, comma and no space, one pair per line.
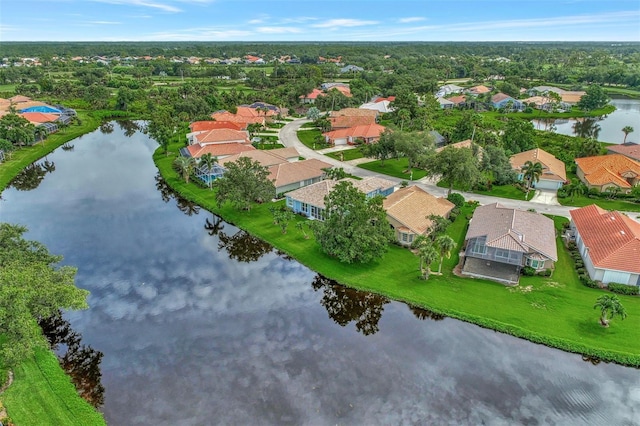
445,246
531,173
383,149
162,127
594,98
413,145
609,306
244,182
454,165
626,130
32,286
355,229
185,165
518,136
16,129
426,253
208,161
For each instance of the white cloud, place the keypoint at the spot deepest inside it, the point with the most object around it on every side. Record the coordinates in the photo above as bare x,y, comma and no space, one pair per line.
105,23
255,21
411,19
277,30
331,23
144,3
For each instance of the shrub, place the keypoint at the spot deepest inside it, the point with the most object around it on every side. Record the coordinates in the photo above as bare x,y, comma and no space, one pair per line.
572,246
456,199
545,273
581,270
630,290
528,271
579,264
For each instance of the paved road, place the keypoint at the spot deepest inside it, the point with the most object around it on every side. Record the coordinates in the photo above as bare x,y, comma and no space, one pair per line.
289,138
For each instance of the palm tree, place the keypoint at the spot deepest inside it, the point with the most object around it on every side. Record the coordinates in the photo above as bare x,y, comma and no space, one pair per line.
185,165
41,133
445,244
403,115
609,306
531,173
208,161
626,130
575,188
590,148
427,254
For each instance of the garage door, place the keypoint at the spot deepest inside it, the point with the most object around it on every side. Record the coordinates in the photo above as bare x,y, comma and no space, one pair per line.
616,277
547,184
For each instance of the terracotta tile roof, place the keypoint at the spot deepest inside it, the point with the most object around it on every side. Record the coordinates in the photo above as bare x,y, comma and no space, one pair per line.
499,97
538,100
344,90
346,121
552,168
18,99
236,118
287,152
39,117
572,97
367,132
314,194
513,229
264,157
287,173
23,105
248,111
604,169
613,238
313,95
478,90
353,112
219,150
216,136
630,150
458,99
412,205
199,126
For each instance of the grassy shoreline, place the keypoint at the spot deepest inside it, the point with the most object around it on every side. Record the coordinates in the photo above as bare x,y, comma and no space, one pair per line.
42,393
557,311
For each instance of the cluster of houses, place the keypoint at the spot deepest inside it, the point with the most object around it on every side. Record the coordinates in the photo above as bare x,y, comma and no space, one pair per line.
38,113
545,98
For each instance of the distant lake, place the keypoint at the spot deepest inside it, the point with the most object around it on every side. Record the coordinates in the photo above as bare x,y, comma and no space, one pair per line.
627,113
201,323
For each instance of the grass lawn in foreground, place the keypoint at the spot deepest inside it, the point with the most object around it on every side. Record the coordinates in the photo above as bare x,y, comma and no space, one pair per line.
504,191
396,167
309,137
557,311
347,154
583,200
42,394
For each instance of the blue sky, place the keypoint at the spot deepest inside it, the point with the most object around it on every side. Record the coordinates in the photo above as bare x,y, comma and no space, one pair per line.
328,20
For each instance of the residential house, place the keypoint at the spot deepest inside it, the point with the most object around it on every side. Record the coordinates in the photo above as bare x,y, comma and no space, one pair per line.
351,117
445,103
629,149
568,97
501,241
367,133
309,200
351,68
439,140
310,98
539,102
448,89
502,100
219,143
383,106
609,243
408,211
467,143
201,126
478,90
608,171
459,101
244,116
285,169
553,175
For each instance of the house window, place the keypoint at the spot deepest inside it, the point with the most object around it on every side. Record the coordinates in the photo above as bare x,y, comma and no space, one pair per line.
504,254
289,202
479,246
304,207
404,237
535,264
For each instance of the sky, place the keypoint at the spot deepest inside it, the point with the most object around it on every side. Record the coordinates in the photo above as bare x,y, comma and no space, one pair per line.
328,20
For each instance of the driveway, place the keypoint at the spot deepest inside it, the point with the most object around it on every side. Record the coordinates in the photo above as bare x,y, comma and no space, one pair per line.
545,197
545,204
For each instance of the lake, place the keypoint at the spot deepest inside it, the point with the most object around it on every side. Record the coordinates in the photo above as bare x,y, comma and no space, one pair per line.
200,323
605,129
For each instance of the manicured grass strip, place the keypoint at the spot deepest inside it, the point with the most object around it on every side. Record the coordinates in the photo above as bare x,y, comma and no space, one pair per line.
347,154
308,126
583,200
308,138
504,191
395,167
556,311
42,394
22,157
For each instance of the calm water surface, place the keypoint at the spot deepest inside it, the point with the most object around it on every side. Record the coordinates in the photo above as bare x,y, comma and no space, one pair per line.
605,129
207,326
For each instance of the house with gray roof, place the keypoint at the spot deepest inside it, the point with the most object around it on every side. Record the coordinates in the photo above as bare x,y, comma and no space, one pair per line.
501,241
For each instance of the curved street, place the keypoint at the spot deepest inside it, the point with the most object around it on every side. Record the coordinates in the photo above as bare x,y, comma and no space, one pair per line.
289,138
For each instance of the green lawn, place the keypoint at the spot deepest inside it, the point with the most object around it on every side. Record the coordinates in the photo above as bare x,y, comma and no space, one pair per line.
268,146
583,200
308,138
396,167
556,311
42,394
347,154
308,126
27,155
504,191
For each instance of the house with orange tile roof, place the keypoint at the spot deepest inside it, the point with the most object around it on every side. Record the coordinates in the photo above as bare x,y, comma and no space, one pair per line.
39,117
243,117
219,143
609,243
200,126
351,117
478,90
219,151
368,133
408,211
311,97
554,174
501,240
608,171
629,149
309,200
